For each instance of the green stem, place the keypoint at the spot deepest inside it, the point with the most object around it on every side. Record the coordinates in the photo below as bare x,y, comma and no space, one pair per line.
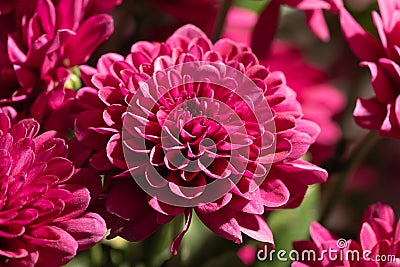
220,20
349,164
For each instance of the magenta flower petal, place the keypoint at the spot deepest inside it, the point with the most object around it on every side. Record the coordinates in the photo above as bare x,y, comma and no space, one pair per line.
275,193
56,246
121,191
301,167
319,234
85,120
265,29
313,89
93,31
114,151
369,113
380,82
363,44
139,229
223,224
255,227
379,211
368,238
386,8
80,229
316,22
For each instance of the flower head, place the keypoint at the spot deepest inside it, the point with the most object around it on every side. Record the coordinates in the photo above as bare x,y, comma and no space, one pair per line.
382,58
43,220
379,240
184,115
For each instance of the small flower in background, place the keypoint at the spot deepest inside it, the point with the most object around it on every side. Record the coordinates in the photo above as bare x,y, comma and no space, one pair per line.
40,46
379,241
381,56
43,218
117,80
247,254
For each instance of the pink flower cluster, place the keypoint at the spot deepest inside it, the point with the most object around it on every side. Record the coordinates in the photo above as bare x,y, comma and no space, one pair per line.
378,244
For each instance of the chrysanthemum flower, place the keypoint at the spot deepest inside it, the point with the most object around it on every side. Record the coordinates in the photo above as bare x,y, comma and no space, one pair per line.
164,133
42,204
38,44
378,244
382,58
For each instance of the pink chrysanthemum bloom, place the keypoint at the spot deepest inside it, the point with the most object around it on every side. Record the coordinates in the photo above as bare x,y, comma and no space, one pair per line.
319,99
42,204
38,44
118,104
382,58
378,244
